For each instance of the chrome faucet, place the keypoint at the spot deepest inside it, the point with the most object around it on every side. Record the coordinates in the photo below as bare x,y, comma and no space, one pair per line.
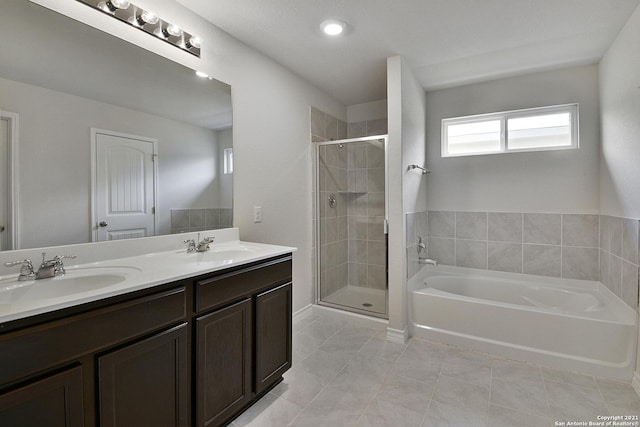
428,261
26,271
191,245
53,267
203,245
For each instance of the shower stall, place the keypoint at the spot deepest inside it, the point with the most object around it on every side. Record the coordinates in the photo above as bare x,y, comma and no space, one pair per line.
351,219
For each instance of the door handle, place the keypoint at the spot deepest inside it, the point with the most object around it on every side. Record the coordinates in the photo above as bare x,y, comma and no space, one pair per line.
103,224
1,228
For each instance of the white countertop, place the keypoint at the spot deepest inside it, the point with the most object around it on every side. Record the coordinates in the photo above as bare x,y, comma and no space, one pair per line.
84,283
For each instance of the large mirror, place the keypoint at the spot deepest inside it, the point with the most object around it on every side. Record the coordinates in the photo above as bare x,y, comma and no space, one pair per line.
78,106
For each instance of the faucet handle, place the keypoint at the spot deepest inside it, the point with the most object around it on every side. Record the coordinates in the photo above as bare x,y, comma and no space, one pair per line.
26,272
191,245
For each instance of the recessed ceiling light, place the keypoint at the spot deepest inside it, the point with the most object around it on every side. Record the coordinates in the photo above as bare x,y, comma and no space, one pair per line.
333,27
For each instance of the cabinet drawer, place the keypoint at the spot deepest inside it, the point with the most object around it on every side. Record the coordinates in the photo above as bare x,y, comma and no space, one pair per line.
31,350
225,288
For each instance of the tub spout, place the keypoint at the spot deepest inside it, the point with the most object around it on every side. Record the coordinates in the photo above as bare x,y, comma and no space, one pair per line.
428,261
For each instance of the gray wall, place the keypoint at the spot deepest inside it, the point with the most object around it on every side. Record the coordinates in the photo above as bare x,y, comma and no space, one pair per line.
563,181
620,106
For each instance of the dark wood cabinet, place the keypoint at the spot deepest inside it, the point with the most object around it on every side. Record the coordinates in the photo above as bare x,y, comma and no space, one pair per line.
223,363
146,383
53,401
194,352
273,335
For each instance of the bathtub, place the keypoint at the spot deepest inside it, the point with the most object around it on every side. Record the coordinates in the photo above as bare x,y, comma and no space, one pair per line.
573,325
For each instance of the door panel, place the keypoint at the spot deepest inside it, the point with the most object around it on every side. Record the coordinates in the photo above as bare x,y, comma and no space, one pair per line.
125,187
146,383
273,336
54,401
223,363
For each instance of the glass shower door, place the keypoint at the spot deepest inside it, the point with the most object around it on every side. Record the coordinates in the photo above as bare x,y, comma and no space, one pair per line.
352,243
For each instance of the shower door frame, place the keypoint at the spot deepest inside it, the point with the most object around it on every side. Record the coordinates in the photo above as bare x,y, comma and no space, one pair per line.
318,299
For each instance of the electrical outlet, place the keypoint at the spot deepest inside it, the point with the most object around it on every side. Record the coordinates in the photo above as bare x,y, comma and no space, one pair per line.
257,214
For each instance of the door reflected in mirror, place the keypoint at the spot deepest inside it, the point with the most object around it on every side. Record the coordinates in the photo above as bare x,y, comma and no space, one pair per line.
64,82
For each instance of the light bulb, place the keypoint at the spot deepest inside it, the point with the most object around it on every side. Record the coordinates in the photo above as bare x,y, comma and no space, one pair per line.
333,27
149,17
111,6
194,41
173,30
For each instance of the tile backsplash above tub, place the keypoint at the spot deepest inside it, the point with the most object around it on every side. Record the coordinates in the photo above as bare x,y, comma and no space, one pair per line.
186,220
575,246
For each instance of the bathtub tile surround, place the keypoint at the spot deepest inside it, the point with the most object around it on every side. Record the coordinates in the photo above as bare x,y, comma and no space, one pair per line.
575,246
619,243
558,245
186,220
459,387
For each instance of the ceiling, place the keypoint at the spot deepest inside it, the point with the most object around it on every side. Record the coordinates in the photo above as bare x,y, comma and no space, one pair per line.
446,42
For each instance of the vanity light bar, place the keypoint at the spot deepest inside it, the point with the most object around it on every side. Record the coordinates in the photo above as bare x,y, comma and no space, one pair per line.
148,22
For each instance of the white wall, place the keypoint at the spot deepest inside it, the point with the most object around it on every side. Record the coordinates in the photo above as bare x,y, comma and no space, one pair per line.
270,128
407,189
54,161
620,112
373,110
552,181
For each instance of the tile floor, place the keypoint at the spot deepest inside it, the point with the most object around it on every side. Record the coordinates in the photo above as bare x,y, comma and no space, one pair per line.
346,374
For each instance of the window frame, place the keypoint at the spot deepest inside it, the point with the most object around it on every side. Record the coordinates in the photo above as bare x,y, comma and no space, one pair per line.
503,117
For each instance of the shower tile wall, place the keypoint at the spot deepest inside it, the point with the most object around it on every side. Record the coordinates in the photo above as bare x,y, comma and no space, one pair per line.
333,240
352,241
367,128
575,246
186,220
365,214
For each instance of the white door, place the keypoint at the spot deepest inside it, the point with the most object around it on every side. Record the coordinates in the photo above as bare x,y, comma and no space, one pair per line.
4,184
124,191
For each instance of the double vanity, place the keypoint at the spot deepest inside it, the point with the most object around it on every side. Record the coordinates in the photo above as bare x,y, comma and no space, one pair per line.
157,338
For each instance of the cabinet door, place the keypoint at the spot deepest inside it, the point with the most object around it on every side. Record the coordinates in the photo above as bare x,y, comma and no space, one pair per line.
223,376
273,335
55,401
146,383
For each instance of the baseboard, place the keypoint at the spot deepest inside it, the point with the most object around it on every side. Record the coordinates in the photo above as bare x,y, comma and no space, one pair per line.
635,382
303,310
398,335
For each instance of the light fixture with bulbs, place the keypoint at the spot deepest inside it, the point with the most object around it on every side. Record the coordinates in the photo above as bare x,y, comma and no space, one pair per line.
148,22
333,27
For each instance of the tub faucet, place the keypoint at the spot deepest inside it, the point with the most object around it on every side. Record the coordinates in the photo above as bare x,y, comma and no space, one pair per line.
421,245
428,261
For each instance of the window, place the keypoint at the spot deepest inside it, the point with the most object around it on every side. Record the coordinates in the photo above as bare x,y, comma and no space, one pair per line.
228,161
535,129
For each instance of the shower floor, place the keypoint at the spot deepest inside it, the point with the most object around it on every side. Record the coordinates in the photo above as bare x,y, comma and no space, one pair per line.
374,300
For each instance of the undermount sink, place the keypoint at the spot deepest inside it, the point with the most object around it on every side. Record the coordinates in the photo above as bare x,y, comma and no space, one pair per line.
75,281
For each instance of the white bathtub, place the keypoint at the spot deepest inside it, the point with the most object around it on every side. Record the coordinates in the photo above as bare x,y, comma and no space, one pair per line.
574,325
